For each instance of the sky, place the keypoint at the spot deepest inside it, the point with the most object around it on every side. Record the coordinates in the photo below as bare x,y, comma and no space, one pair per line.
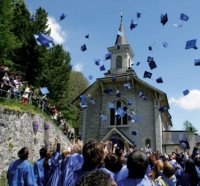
101,19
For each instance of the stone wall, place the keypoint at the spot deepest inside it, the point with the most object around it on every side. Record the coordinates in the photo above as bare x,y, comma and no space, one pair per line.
19,129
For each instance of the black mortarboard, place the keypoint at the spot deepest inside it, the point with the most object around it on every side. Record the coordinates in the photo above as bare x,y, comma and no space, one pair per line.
113,78
164,19
62,17
138,15
163,108
152,65
150,48
87,36
90,77
129,102
191,44
137,64
197,62
184,17
133,25
108,56
108,91
32,18
118,94
147,74
159,80
134,133
186,92
44,39
102,68
97,62
149,59
83,48
165,44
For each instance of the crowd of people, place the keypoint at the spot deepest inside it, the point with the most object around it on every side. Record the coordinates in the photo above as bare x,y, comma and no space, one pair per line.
105,164
13,87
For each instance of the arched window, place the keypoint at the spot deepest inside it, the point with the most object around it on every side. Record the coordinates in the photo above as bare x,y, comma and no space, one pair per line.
119,62
118,120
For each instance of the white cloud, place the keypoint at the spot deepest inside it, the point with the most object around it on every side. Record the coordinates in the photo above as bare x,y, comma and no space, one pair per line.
188,102
78,67
57,33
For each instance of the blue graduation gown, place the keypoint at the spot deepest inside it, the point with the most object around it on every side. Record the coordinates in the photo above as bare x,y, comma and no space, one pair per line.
122,174
20,173
52,171
39,171
71,164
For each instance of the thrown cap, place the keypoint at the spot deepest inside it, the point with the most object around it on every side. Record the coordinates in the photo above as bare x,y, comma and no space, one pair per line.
147,74
164,19
184,17
83,48
186,92
191,44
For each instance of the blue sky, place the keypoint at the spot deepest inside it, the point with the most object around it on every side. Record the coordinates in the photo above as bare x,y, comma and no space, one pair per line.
100,19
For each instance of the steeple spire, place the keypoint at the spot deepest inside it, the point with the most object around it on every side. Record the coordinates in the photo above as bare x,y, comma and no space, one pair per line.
121,38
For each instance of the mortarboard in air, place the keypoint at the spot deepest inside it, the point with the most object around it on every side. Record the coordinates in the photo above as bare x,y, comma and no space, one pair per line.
186,92
138,63
169,116
191,44
108,91
44,39
150,48
134,133
129,102
165,44
44,90
147,74
83,47
127,85
159,80
90,77
177,25
118,46
118,93
163,108
97,62
152,65
108,56
111,105
70,66
140,94
102,68
114,78
164,19
129,117
62,17
120,112
133,25
138,15
137,119
32,18
145,98
87,36
104,117
83,99
184,17
127,78
197,62
92,101
149,59
184,144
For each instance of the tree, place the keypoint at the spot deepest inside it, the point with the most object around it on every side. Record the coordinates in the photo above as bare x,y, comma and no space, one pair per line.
188,126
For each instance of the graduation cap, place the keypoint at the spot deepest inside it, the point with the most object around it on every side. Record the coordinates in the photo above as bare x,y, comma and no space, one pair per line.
145,98
184,144
83,47
111,105
165,44
138,63
152,65
159,80
44,39
177,25
127,85
62,17
186,92
140,94
149,59
97,62
118,93
184,17
150,48
164,19
90,77
83,99
108,56
191,44
163,108
197,62
114,78
120,112
129,117
118,46
32,18
92,101
44,90
102,68
104,117
108,91
147,74
133,25
137,119
87,36
138,15
129,102
134,133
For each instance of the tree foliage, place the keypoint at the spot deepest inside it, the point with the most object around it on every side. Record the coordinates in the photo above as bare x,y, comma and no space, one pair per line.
188,126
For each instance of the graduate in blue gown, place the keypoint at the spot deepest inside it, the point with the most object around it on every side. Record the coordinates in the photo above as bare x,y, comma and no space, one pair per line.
20,172
39,167
52,166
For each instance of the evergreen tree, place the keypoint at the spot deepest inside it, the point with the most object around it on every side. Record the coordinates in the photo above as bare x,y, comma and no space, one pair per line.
188,126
